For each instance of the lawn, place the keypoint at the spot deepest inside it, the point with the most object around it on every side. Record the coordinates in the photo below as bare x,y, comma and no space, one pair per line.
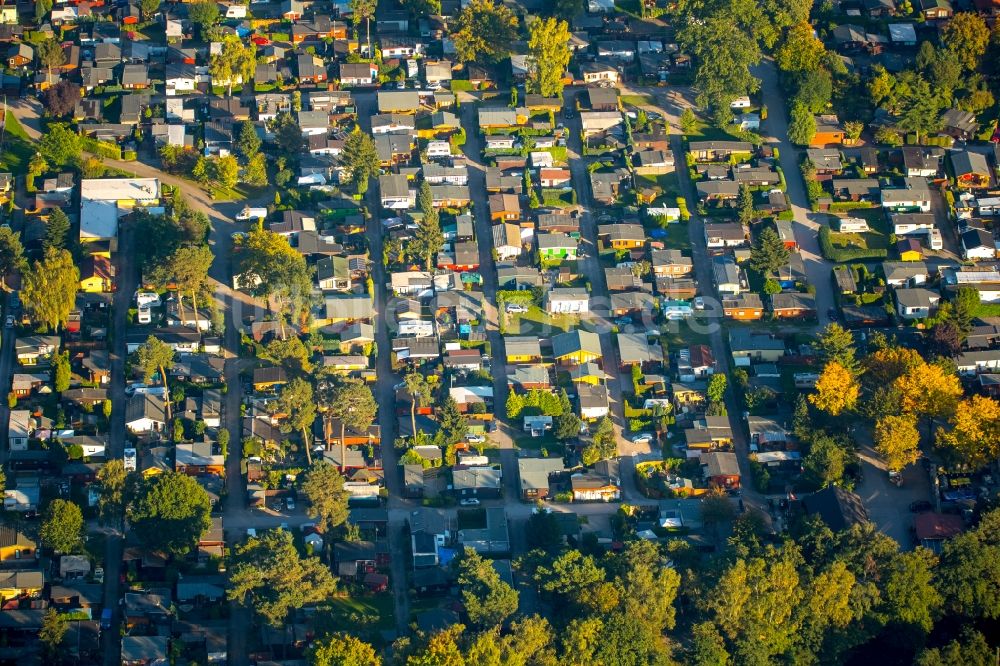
705,132
637,100
557,198
538,322
667,183
17,148
867,241
678,236
375,605
676,334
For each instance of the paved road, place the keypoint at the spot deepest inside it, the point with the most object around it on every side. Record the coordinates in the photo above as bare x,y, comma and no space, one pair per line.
807,223
503,436
384,392
127,279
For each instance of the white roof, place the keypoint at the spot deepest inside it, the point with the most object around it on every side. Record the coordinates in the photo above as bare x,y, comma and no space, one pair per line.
98,220
120,189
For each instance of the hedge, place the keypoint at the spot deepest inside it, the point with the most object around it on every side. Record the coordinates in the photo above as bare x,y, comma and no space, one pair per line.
844,206
102,148
842,254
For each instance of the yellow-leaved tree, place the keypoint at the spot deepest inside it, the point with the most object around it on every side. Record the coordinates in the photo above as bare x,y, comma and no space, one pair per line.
975,430
929,391
897,440
836,390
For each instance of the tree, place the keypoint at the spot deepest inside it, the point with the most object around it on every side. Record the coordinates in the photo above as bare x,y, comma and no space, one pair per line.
56,230
484,32
111,476
744,205
768,253
708,648
853,130
61,372
971,650
324,487
59,145
42,9
61,98
487,599
149,8
452,424
255,172
49,289
62,527
689,122
974,436
188,267
567,426
801,51
291,353
361,159
604,444
754,603
364,10
897,440
825,463
922,109
967,36
836,344
203,14
929,391
836,390
813,90
427,239
272,269
269,573
235,62
53,632
802,127
342,649
227,170
50,54
248,142
170,513
548,46
420,393
724,51
716,391
11,253
909,590
288,136
296,403
968,574
351,402
946,339
155,356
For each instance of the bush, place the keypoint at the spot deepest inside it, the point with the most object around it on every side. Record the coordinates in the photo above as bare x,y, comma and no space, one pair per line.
101,148
129,156
564,497
682,205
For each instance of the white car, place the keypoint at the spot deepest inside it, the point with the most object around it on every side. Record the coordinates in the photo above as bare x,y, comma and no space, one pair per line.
9,323
472,501
699,303
514,308
642,438
475,439
289,503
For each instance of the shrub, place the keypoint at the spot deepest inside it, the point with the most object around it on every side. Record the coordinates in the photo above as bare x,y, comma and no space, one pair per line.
842,254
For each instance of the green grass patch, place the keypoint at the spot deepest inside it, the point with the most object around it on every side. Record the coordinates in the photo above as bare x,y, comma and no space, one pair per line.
537,321
376,605
705,132
557,198
637,100
676,334
667,182
17,147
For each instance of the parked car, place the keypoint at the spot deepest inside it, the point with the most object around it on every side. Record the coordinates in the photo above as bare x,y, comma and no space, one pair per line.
290,503
699,303
475,439
643,438
9,322
471,501
515,308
